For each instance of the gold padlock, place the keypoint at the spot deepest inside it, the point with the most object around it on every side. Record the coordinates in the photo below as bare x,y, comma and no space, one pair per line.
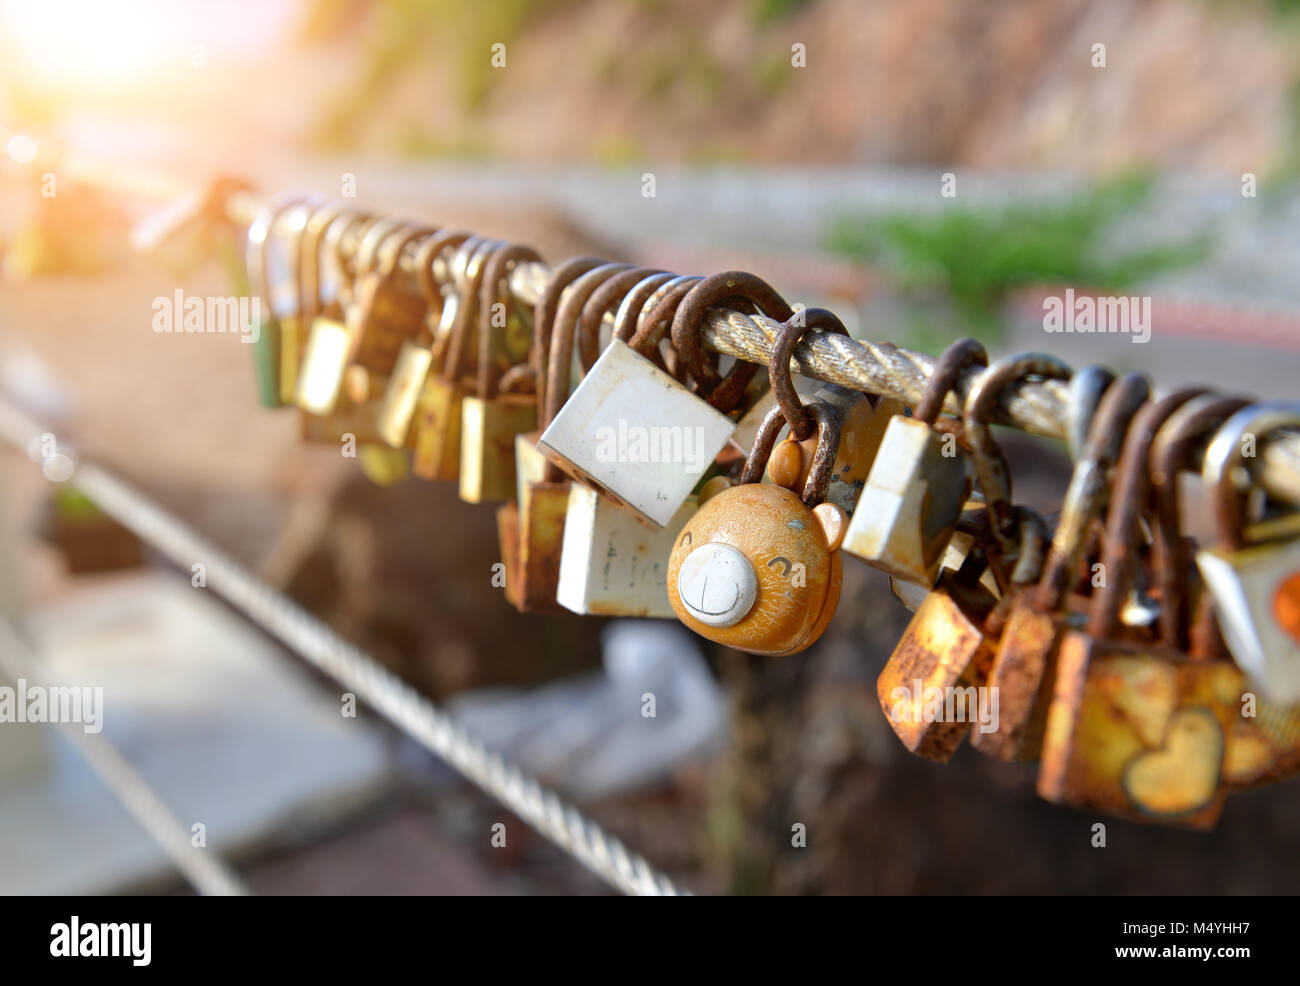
422,355
918,483
280,301
1036,619
386,312
319,385
323,229
438,416
490,419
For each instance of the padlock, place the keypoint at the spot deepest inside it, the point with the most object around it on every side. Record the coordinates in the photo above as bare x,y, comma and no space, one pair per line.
757,567
1036,619
611,562
438,415
318,389
632,431
918,482
1264,739
279,296
531,529
490,418
1134,728
324,229
1252,573
419,356
931,688
386,312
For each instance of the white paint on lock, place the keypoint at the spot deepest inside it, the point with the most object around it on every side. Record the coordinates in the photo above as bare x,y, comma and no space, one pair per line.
717,584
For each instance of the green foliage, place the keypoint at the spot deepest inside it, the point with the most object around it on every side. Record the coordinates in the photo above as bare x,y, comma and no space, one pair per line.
771,11
975,258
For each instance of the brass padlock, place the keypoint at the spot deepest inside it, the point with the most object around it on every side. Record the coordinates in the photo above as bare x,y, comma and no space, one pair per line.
1253,573
438,415
1036,619
490,418
421,355
532,528
319,386
386,312
1134,728
918,484
758,567
323,230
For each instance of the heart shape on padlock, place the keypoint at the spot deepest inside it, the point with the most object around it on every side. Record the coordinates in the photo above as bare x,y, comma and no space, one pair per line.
1182,776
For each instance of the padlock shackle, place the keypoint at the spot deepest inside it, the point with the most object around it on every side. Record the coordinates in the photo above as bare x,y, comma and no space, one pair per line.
656,313
467,272
425,259
544,312
598,306
563,335
1127,504
389,253
260,233
947,370
313,237
990,466
726,392
367,254
1170,452
823,463
634,302
1083,394
332,240
1226,453
1085,497
788,334
493,291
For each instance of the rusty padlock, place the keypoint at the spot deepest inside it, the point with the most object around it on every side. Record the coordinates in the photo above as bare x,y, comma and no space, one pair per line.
1036,619
1135,729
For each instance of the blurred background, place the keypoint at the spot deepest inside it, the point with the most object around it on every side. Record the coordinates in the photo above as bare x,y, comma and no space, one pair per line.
925,169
